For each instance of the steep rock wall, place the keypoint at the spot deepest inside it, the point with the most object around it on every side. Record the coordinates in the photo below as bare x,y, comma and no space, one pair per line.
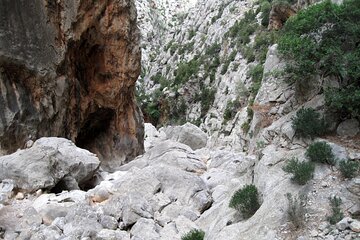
68,68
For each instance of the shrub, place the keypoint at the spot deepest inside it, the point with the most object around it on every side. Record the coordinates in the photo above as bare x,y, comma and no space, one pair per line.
320,152
194,234
192,33
337,214
185,70
349,169
302,171
296,210
230,110
308,124
316,42
256,74
207,98
245,200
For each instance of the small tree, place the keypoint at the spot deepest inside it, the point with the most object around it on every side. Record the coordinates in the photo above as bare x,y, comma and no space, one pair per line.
302,171
245,200
320,152
194,234
337,214
349,169
308,124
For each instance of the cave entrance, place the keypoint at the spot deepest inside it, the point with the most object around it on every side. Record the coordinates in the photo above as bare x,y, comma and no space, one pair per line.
96,123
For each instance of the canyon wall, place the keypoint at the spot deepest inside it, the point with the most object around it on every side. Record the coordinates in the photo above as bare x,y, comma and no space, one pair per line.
68,68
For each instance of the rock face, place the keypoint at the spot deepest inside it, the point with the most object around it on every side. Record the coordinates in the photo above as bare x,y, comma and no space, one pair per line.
279,14
48,163
68,68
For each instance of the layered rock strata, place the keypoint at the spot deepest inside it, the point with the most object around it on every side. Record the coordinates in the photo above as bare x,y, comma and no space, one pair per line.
68,68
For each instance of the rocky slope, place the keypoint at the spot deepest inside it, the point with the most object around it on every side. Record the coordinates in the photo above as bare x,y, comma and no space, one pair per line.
225,80
168,191
68,68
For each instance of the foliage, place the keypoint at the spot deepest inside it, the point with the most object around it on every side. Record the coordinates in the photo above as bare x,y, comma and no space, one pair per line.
256,74
349,169
308,124
192,33
320,152
245,200
296,210
241,30
227,62
194,234
302,171
248,53
213,49
337,214
265,8
207,98
185,70
345,101
323,39
231,110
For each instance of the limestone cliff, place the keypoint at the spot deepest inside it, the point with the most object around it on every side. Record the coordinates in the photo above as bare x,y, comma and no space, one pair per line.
68,68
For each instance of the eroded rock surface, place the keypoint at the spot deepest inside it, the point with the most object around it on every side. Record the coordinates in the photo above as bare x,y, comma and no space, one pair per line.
68,68
49,162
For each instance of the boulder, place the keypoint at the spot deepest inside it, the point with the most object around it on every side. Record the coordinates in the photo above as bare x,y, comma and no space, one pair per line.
188,134
348,128
47,163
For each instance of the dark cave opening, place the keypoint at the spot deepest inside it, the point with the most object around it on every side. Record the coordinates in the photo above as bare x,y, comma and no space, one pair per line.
95,124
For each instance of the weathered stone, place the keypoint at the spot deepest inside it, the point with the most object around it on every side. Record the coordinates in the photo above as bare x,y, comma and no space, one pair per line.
355,225
348,128
107,234
73,75
188,134
279,14
19,218
47,163
343,224
6,190
145,229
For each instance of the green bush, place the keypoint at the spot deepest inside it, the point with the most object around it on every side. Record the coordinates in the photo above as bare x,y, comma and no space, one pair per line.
337,214
349,169
206,98
194,235
323,39
320,152
302,171
308,124
192,33
231,110
245,200
296,210
185,70
256,74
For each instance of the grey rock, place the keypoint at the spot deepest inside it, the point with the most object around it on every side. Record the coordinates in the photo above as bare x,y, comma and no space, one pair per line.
354,186
343,224
145,229
108,222
348,128
188,134
46,163
106,234
6,190
355,225
82,221
19,218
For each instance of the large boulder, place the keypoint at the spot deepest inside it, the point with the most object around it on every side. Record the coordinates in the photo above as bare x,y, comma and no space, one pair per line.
348,128
48,163
188,134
